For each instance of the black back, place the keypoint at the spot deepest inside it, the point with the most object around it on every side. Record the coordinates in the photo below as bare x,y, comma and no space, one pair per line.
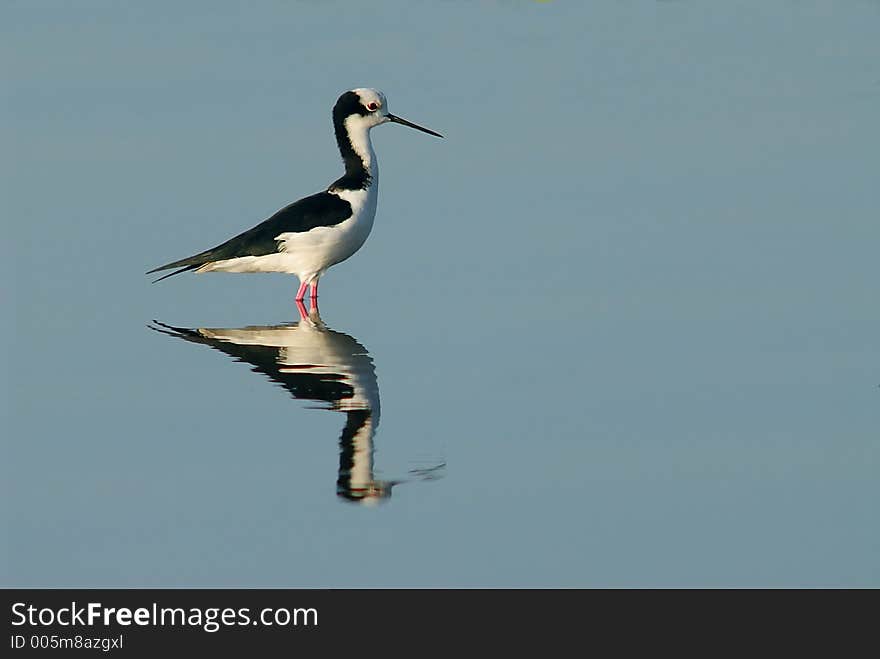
321,209
318,210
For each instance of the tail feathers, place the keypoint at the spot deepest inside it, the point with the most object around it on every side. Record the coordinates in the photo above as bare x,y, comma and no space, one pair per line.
254,242
189,263
185,268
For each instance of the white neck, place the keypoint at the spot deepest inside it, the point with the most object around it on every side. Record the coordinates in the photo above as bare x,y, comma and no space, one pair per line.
359,136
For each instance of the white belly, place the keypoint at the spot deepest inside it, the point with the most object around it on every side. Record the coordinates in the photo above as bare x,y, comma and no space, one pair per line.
308,254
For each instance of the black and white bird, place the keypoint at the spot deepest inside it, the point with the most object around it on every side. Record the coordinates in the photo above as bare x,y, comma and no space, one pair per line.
312,234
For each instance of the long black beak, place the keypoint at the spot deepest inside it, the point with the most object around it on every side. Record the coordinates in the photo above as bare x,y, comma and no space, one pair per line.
398,120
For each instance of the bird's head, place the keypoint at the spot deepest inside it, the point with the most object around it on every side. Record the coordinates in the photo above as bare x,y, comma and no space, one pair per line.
366,108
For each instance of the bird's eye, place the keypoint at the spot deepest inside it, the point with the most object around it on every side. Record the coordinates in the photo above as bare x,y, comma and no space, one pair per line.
372,106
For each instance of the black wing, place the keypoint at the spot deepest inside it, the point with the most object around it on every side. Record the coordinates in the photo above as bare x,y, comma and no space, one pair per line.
319,210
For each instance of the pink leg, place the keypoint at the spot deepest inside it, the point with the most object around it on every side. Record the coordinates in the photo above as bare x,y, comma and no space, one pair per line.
301,293
303,314
314,295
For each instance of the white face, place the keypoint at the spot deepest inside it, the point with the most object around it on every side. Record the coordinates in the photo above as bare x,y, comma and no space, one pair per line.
375,103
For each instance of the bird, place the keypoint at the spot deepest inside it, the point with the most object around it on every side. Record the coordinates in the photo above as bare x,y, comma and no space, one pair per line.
310,235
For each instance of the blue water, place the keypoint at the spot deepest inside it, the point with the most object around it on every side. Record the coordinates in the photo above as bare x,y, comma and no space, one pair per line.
619,328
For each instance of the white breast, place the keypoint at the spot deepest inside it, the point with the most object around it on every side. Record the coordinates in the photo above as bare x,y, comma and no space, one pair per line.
310,253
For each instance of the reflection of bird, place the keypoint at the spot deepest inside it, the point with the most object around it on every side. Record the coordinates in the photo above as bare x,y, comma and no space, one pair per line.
316,232
315,363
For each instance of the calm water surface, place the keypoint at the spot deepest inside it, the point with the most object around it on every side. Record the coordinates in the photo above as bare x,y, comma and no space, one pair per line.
620,328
